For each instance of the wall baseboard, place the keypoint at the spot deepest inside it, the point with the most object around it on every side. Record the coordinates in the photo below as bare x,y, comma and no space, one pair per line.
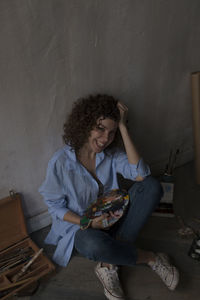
38,222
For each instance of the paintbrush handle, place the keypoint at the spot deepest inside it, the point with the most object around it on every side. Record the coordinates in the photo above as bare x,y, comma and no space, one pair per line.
24,268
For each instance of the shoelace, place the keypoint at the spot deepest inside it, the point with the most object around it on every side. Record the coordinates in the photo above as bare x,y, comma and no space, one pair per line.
161,267
112,278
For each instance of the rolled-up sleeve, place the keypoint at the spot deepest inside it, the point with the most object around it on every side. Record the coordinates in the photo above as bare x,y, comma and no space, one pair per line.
53,191
130,171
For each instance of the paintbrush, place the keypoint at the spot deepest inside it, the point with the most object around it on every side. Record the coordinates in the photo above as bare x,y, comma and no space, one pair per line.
15,253
167,168
24,268
7,261
174,161
14,264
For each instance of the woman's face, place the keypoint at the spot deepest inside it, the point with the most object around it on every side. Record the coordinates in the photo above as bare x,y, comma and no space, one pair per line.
102,135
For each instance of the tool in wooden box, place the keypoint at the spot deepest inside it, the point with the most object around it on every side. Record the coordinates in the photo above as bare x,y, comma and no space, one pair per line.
15,258
15,279
22,264
25,267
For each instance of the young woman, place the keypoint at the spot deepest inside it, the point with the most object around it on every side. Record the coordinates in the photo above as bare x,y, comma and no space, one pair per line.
85,168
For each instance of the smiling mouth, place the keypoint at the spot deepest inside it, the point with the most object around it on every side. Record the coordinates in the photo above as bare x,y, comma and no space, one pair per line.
100,145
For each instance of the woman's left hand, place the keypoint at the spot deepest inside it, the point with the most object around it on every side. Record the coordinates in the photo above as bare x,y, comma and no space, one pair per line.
123,112
114,216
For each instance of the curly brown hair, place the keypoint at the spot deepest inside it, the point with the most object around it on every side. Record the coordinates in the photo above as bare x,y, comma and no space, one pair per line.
83,118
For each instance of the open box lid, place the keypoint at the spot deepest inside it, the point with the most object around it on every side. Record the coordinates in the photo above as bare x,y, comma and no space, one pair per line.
12,222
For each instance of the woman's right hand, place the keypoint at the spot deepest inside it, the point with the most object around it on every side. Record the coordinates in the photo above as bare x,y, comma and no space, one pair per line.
100,222
123,109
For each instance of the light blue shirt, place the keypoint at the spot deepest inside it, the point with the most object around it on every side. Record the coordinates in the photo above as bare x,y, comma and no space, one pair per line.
70,187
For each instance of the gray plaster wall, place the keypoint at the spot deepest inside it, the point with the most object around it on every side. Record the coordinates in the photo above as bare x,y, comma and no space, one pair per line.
54,51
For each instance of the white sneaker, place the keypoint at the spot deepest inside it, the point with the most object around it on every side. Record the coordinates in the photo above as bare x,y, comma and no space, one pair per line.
110,280
168,273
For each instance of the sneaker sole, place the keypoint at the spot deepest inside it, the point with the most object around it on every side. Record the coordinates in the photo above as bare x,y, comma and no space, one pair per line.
174,283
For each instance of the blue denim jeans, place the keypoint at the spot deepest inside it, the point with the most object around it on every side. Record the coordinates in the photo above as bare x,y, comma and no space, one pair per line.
116,245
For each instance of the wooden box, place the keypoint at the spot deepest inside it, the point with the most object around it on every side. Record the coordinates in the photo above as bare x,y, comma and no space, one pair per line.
17,246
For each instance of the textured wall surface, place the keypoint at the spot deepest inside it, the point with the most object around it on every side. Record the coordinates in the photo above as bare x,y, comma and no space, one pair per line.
52,52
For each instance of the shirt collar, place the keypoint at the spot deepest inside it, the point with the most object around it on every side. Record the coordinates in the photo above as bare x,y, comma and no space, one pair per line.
99,157
71,152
